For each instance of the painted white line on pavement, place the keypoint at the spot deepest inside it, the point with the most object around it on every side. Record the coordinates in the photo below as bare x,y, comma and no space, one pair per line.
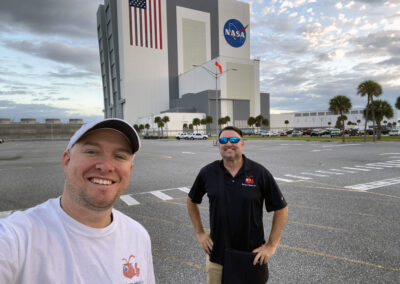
300,177
129,200
311,174
326,172
283,179
343,171
340,145
389,154
357,169
369,167
4,214
161,195
191,153
375,184
380,165
184,189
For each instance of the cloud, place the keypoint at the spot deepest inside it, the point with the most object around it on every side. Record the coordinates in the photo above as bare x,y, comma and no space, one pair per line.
80,57
16,111
72,18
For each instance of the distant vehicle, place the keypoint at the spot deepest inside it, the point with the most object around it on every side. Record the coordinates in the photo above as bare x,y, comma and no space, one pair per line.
307,132
198,136
325,132
369,132
315,132
182,136
297,133
248,132
282,133
354,132
394,132
268,134
385,130
1,140
288,132
335,132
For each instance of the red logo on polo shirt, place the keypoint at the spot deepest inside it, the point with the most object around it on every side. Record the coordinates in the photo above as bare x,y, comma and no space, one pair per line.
249,180
128,270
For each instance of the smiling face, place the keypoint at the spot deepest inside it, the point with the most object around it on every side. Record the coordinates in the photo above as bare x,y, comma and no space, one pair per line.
231,152
97,169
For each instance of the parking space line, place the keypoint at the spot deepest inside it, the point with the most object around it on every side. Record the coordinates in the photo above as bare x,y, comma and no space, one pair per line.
312,174
326,172
300,177
129,200
319,226
338,257
184,189
375,184
357,169
4,214
161,195
384,165
369,167
285,180
347,172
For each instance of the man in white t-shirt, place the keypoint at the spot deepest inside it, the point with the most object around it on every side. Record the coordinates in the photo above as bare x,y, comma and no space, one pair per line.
79,237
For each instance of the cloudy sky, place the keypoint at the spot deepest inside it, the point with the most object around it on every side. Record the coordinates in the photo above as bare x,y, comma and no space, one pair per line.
310,51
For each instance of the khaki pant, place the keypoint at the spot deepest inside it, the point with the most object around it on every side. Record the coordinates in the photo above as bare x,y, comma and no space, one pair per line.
214,272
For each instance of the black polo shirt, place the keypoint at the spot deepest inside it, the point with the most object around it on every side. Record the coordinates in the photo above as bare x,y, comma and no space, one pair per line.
245,195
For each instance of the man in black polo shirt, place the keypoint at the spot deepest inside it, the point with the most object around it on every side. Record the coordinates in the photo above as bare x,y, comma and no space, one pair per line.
246,185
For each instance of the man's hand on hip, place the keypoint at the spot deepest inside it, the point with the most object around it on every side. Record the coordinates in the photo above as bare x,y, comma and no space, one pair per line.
205,242
264,253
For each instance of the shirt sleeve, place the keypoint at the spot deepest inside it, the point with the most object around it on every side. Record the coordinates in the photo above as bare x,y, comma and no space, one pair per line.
198,188
8,253
274,199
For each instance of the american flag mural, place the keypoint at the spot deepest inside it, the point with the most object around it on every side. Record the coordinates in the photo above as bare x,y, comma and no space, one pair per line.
145,23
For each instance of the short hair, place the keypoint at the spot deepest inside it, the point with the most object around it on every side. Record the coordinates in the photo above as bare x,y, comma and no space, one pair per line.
233,128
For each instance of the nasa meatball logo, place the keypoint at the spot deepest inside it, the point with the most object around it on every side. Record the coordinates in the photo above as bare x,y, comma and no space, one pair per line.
235,33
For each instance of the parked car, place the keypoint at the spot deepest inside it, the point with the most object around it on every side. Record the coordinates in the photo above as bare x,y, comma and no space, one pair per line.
307,132
335,132
198,136
353,132
248,132
369,132
182,136
282,133
268,134
394,132
385,130
325,132
288,132
315,132
297,133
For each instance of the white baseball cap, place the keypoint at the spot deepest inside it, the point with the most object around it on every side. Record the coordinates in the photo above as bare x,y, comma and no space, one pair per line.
110,123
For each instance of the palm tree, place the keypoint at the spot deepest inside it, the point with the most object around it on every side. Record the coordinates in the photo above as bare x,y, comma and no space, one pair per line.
227,119
221,121
382,109
165,119
147,126
141,127
329,123
191,127
340,105
286,123
371,89
265,122
209,120
203,121
397,105
196,122
184,126
251,121
259,118
136,127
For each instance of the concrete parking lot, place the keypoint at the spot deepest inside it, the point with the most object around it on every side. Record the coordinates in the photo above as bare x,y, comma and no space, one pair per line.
344,204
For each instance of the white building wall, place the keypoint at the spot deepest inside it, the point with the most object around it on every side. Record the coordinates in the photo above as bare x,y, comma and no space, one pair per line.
231,9
175,125
146,89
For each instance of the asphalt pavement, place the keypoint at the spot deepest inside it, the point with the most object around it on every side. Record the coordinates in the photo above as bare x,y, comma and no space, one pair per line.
344,204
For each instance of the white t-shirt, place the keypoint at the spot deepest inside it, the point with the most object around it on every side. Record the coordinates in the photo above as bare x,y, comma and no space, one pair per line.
45,245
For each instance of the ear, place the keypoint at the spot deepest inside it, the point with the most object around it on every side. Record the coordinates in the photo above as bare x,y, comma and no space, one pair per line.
132,165
66,158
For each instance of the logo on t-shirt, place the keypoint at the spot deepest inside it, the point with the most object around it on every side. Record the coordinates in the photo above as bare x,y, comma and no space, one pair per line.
128,269
249,180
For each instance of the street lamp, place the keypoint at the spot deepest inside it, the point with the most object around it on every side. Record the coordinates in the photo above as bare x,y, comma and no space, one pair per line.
216,75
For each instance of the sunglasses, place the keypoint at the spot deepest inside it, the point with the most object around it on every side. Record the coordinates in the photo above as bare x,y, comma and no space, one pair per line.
225,140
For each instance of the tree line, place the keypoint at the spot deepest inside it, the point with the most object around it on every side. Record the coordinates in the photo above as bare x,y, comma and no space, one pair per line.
374,111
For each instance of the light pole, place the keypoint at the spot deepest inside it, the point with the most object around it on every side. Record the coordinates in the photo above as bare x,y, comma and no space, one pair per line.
216,75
